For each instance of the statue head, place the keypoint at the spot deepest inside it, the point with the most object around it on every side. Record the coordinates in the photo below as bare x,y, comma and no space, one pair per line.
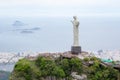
74,17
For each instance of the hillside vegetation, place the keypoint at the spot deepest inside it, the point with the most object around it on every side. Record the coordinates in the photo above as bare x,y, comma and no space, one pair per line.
46,68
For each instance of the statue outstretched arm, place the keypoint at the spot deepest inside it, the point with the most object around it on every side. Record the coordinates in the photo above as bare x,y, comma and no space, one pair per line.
71,21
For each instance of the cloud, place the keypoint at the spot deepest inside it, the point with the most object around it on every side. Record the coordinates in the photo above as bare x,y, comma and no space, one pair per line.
60,2
58,7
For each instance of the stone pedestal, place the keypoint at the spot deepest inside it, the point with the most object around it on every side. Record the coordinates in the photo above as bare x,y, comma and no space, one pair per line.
76,49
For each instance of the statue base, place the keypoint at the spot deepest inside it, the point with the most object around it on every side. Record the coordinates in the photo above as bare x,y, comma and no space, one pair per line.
76,49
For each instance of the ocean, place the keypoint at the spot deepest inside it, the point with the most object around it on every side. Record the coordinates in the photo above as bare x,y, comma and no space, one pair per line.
7,67
55,34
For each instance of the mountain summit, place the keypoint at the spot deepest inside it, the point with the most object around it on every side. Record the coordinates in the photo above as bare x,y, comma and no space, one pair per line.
18,23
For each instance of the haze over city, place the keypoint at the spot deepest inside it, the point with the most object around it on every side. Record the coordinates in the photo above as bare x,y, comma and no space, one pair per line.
47,27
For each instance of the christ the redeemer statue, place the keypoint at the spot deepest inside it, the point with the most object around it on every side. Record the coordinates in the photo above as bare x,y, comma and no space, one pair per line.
75,48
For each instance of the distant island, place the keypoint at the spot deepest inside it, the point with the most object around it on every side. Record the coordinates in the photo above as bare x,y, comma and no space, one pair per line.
30,30
18,23
23,28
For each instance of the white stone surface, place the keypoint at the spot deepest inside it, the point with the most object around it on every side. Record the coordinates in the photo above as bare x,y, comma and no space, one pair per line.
75,23
78,77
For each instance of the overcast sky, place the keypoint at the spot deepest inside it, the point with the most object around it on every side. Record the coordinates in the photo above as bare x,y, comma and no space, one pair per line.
59,7
102,28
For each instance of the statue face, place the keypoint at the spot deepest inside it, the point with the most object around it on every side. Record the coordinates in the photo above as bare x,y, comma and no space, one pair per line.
74,17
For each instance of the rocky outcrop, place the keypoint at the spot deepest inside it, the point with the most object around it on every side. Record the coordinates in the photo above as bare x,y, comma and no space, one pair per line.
78,77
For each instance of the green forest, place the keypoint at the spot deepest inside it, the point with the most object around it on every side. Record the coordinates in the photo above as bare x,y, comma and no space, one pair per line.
45,68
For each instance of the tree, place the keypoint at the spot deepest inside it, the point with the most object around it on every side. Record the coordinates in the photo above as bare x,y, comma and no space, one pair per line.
64,64
58,72
46,67
76,65
23,69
